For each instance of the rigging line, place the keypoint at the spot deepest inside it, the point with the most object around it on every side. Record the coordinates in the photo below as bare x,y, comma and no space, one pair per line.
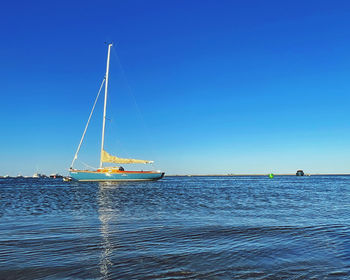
87,124
133,98
94,168
127,82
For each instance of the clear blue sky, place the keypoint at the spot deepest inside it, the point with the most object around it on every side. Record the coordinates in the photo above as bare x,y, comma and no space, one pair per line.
201,87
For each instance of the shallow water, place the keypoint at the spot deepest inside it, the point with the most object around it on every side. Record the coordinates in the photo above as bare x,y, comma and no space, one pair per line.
178,228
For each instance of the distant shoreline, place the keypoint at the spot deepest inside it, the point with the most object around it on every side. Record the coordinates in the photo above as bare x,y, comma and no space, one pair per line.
208,175
240,175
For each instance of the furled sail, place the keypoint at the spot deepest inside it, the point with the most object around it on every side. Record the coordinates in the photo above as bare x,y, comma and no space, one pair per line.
106,157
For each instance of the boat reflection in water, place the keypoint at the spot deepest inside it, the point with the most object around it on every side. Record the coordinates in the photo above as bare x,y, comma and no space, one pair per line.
107,215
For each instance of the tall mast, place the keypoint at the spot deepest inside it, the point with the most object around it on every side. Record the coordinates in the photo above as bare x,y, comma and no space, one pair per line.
105,104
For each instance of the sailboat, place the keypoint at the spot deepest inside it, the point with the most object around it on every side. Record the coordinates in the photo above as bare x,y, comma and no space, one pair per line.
115,173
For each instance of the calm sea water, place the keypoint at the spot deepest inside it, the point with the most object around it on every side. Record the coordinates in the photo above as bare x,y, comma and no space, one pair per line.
178,228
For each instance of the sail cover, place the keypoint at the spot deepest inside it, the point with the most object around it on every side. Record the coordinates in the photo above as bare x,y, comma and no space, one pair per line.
106,157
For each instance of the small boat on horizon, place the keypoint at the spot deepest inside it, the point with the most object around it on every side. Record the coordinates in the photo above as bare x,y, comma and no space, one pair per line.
55,175
114,173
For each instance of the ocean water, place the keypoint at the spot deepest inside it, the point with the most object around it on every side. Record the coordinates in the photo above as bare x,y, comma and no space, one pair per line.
177,228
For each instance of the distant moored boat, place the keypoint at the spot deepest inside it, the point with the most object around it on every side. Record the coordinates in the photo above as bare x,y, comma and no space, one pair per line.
300,173
55,175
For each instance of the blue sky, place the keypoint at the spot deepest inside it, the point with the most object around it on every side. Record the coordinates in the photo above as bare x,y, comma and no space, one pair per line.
199,86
